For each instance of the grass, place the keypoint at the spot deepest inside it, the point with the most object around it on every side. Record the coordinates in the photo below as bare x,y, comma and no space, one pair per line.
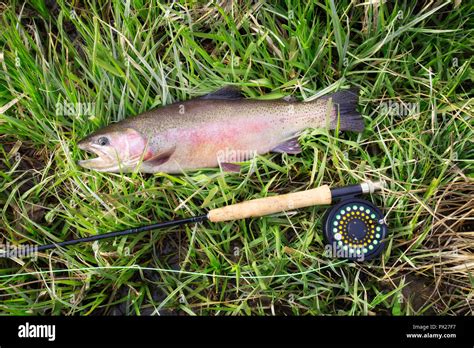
125,57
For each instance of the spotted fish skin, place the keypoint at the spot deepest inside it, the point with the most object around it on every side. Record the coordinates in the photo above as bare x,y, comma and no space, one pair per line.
218,128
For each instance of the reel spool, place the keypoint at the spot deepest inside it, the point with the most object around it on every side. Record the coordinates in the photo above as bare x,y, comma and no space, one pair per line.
355,229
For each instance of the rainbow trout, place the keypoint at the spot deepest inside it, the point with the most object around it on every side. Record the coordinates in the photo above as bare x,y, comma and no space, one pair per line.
218,129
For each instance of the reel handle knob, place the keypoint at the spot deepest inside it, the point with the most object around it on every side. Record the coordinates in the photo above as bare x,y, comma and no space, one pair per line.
371,186
269,205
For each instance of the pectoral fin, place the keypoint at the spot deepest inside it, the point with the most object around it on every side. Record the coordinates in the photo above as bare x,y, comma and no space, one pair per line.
160,158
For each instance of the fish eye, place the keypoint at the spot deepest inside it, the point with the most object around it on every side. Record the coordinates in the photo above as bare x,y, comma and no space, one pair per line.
102,141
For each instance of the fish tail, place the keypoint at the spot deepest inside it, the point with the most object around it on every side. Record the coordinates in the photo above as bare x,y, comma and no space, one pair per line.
345,106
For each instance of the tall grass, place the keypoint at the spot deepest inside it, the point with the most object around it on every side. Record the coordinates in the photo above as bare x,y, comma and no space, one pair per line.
413,63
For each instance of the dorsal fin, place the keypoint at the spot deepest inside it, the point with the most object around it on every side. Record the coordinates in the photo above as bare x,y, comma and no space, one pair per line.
227,92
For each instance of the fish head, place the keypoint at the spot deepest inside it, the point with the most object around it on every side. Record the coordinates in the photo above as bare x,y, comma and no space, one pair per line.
116,150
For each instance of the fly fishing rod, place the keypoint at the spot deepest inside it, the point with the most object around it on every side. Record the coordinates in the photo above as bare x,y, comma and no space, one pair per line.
354,227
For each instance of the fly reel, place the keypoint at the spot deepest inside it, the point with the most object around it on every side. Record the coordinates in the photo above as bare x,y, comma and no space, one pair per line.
354,228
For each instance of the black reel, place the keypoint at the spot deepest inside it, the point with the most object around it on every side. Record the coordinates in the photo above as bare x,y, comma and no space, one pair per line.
355,229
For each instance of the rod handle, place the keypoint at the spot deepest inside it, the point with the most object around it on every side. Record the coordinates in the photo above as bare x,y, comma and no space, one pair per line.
269,205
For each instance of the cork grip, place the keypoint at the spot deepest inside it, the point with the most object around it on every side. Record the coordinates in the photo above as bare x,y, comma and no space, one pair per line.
269,205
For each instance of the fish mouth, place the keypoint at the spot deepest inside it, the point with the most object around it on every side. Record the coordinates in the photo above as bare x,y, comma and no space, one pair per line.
103,162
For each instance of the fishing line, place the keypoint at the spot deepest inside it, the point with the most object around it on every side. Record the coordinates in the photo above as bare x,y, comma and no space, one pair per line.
167,270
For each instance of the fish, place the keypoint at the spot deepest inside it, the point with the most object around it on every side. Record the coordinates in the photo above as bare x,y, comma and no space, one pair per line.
220,129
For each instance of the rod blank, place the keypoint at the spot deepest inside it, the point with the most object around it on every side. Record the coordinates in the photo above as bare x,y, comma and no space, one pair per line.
156,226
